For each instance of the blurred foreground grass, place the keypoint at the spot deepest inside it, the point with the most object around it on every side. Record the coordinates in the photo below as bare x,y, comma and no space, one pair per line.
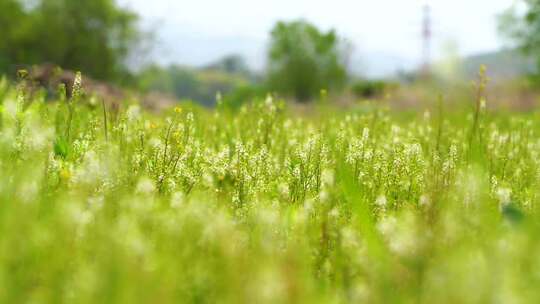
266,206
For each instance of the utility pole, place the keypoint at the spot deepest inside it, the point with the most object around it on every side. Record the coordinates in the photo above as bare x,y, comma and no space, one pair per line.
426,40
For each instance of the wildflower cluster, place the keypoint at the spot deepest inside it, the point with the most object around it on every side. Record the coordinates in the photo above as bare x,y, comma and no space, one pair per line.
264,205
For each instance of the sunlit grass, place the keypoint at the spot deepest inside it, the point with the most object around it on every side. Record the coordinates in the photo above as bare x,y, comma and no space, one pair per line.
262,205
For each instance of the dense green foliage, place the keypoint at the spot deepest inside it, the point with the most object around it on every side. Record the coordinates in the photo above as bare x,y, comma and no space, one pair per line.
522,27
95,36
266,206
303,60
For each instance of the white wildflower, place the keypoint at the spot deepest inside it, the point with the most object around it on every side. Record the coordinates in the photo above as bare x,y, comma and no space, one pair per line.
381,201
504,195
145,186
133,113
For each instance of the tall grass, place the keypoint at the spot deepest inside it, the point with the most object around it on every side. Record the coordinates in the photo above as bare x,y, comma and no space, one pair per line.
264,205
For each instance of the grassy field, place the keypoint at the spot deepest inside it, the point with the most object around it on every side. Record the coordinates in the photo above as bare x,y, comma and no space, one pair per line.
264,205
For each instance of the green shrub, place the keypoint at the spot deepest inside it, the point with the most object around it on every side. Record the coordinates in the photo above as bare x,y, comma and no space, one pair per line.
371,88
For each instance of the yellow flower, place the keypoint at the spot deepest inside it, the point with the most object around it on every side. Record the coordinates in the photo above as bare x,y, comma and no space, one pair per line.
178,110
65,174
153,126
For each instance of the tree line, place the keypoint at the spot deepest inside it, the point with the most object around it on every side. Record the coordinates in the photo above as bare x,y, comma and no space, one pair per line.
101,38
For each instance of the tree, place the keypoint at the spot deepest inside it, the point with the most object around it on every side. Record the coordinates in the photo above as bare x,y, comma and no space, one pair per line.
303,60
521,25
94,36
13,22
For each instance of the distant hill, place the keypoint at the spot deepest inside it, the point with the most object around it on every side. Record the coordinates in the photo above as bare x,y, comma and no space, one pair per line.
503,64
185,46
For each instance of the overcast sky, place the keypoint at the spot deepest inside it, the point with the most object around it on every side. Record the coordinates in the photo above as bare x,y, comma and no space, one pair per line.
187,28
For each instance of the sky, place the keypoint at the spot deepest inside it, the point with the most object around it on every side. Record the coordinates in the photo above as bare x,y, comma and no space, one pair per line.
198,31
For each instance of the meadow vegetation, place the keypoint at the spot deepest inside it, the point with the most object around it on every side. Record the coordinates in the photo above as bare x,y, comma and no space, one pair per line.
264,205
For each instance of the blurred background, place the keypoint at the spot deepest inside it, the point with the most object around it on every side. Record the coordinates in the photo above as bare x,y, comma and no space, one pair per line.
401,52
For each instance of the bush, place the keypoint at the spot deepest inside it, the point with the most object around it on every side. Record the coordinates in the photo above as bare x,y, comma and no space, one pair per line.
244,94
371,88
